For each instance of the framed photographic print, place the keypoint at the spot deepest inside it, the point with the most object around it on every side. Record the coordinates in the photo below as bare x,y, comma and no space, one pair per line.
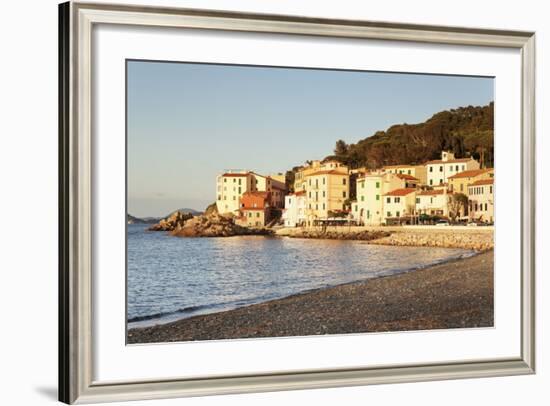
264,202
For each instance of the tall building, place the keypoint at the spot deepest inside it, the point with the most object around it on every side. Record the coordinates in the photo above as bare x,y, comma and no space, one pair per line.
439,171
300,176
326,191
416,171
459,183
295,209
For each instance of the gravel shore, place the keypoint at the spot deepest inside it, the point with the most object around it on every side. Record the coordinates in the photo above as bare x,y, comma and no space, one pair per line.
455,294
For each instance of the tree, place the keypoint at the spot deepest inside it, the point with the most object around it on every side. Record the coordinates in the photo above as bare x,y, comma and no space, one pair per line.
341,148
458,202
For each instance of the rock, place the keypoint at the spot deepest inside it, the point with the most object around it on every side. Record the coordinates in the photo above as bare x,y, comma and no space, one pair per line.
175,221
214,225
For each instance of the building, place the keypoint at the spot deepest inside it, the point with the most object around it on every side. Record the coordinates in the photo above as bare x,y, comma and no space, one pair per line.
275,188
255,209
295,209
417,171
432,202
399,204
326,191
300,176
439,171
367,209
459,183
230,186
481,202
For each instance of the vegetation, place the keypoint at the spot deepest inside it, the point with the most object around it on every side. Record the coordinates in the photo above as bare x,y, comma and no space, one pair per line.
458,203
466,131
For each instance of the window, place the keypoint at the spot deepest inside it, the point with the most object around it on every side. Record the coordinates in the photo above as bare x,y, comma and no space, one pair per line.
462,187
225,179
368,214
239,181
258,214
344,194
343,181
323,193
431,200
485,206
397,214
316,207
310,182
409,172
225,198
388,199
431,168
234,180
316,182
316,196
431,181
377,197
323,180
362,198
234,197
417,200
397,200
219,197
309,195
323,206
388,214
377,185
456,167
463,167
440,168
440,181
490,189
362,185
356,207
451,168
239,190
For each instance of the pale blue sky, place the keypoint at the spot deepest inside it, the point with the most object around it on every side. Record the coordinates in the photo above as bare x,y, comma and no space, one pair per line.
188,122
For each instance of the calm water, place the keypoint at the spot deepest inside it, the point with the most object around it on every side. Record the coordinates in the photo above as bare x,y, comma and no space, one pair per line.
171,278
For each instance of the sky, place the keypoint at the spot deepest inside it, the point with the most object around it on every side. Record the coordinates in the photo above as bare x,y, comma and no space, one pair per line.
188,122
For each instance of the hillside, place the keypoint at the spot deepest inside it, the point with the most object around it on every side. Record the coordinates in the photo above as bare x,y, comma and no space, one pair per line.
467,131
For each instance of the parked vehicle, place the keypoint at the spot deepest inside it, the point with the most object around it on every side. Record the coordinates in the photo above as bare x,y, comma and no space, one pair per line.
442,223
472,224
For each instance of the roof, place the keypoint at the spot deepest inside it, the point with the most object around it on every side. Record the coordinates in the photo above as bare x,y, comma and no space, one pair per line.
450,161
401,192
298,193
236,174
329,172
483,182
265,195
399,166
469,174
404,176
431,192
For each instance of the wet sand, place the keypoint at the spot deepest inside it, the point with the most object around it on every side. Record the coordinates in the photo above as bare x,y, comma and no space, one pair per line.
456,294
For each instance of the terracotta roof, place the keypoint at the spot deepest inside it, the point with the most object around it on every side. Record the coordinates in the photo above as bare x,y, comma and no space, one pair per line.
405,176
431,192
236,174
265,195
450,161
299,193
483,182
330,172
253,208
400,192
469,174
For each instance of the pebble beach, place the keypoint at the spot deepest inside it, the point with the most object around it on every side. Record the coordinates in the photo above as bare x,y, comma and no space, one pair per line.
455,294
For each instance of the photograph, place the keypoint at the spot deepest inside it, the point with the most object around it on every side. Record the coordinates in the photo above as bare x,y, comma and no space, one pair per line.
267,201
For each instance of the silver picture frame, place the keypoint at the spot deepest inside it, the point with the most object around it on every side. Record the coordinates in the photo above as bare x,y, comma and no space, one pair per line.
76,21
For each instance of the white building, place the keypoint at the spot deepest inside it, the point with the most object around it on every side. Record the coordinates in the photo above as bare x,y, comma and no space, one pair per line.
432,202
295,209
440,170
481,200
399,203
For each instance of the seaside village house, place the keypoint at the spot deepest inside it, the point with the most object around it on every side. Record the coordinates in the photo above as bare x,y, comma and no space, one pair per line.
300,177
433,202
368,209
326,193
399,203
459,183
481,202
232,185
416,171
295,209
255,210
439,171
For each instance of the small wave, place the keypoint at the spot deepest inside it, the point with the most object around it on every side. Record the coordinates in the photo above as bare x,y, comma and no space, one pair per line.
159,315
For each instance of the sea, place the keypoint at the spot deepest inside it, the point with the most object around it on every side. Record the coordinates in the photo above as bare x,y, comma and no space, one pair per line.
170,278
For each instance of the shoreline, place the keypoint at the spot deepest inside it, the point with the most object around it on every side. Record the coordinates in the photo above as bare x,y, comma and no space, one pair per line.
454,294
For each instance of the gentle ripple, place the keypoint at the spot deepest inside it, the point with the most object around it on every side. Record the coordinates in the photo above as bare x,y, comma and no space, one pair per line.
172,278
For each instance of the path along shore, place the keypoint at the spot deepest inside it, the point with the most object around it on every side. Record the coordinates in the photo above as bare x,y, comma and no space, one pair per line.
475,238
455,294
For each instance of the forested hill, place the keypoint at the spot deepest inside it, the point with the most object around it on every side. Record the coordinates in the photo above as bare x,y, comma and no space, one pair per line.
467,131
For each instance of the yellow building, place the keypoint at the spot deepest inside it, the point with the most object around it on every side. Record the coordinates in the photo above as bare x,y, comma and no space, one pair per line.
326,191
275,188
230,187
300,176
439,171
459,183
417,171
481,201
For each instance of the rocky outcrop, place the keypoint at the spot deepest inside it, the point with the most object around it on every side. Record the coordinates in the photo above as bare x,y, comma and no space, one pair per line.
215,225
172,222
